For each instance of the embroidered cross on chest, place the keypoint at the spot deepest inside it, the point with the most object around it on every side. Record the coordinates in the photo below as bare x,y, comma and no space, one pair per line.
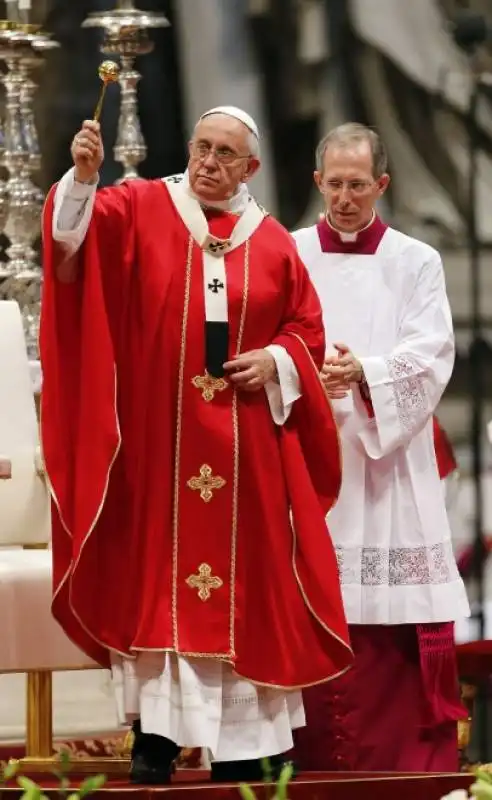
204,582
206,482
175,178
209,385
216,246
215,286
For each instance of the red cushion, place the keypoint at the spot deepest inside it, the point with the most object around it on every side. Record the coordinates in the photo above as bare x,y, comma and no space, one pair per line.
475,659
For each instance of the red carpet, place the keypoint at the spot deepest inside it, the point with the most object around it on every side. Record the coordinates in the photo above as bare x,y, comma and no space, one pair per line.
316,786
192,783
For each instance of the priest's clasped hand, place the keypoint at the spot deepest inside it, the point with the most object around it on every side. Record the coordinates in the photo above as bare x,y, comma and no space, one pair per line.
339,371
5,469
87,151
251,371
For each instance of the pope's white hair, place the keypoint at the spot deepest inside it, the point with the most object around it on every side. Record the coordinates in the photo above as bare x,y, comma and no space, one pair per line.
251,139
253,145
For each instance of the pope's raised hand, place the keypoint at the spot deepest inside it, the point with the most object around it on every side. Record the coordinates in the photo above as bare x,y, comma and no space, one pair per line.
87,151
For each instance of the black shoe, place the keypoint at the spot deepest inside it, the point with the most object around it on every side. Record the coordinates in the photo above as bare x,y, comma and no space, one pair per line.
145,774
152,760
247,771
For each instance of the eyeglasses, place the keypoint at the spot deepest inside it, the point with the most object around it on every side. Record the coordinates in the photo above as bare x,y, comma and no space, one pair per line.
354,187
223,155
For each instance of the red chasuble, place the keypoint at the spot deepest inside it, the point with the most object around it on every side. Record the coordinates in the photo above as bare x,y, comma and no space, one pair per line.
174,494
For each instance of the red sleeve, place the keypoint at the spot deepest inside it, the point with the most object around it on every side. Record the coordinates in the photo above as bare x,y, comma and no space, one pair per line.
79,420
311,460
303,315
312,420
365,394
313,423
446,461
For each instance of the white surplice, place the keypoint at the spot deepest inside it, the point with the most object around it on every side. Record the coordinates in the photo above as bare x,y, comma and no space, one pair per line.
390,525
195,702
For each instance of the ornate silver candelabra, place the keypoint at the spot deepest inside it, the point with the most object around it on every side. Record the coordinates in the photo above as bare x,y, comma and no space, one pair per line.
21,49
126,34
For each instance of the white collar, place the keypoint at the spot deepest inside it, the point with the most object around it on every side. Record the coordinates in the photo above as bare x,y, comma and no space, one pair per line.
191,212
236,204
353,235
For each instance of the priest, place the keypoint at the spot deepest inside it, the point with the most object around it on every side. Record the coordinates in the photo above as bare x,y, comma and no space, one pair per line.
390,354
191,452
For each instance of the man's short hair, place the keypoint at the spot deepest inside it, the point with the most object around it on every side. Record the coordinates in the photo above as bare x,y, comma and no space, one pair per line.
354,133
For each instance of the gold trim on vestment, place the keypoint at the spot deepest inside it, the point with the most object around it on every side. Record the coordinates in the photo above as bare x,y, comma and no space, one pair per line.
177,478
71,569
229,656
330,405
177,452
294,567
235,482
73,566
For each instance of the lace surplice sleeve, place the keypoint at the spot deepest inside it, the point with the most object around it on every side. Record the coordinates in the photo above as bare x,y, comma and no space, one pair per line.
406,384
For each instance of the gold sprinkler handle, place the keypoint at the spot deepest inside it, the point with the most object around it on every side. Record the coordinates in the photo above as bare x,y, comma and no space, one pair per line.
108,72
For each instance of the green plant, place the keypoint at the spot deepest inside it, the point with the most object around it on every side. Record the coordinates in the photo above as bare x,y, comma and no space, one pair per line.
273,790
482,788
33,791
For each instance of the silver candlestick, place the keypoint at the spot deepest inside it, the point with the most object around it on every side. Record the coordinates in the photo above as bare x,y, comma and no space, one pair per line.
21,50
4,273
126,34
4,196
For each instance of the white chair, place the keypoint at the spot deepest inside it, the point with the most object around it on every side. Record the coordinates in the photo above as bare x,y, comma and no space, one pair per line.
32,642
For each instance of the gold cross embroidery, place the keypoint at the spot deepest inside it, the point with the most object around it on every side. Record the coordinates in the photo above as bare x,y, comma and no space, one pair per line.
209,385
215,245
204,582
206,483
